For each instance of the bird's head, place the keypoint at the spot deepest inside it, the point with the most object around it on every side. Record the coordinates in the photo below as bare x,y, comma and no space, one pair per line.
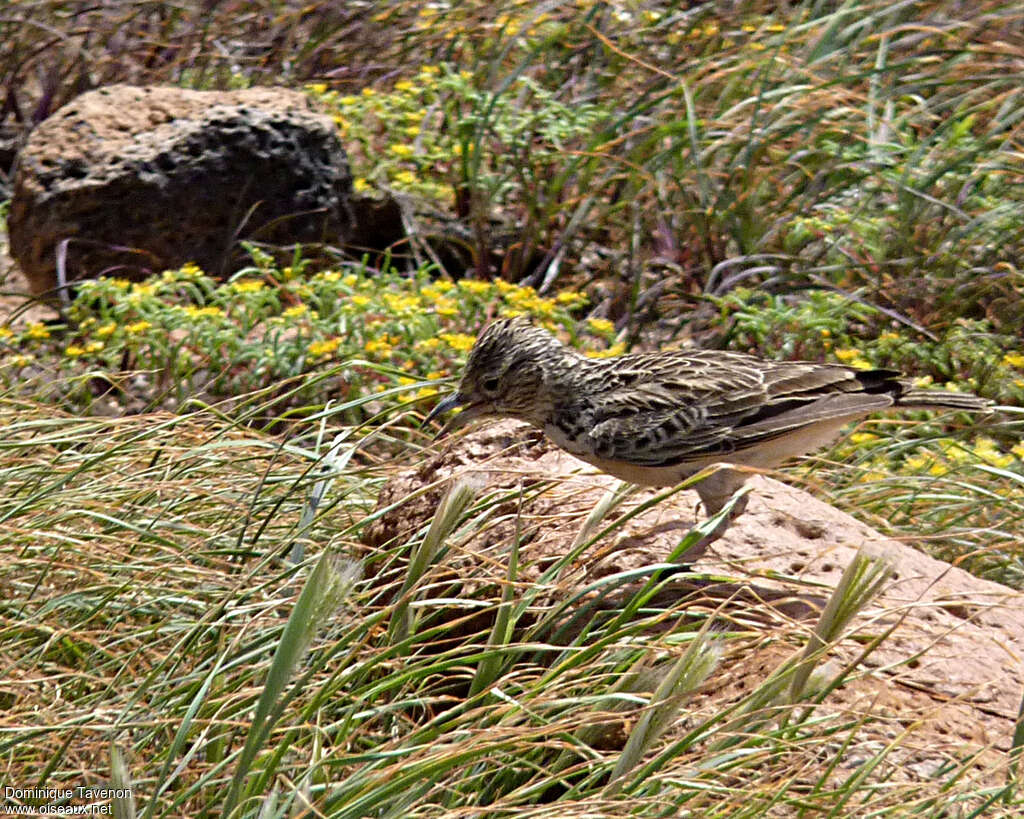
507,375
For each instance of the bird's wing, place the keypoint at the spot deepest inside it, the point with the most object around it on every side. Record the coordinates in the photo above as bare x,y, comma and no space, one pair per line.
672,408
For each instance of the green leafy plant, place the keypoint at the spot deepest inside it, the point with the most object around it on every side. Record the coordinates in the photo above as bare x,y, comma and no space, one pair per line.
188,336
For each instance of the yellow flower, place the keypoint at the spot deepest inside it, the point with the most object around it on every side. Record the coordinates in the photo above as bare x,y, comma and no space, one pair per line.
405,85
434,375
1014,360
295,311
19,360
601,325
319,348
1018,450
349,279
317,87
401,150
444,285
863,438
458,341
426,392
571,298
144,290
853,358
918,462
412,131
614,350
137,327
360,301
348,100
210,311
987,450
477,288
191,270
73,351
368,92
37,331
248,286
430,70
360,185
6,332
329,276
402,302
406,178
427,345
378,346
955,452
106,330
446,307
94,346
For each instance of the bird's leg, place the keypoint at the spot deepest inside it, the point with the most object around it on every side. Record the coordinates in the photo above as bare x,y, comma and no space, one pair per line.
715,492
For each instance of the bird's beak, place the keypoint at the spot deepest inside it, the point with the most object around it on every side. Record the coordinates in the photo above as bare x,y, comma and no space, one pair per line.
454,400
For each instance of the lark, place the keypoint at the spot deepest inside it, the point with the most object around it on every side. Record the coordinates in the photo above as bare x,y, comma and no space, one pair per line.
657,418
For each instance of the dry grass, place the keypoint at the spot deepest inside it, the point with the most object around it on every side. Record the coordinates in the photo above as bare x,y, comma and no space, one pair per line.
151,608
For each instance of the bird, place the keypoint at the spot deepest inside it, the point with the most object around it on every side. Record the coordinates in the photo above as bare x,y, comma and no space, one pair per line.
658,418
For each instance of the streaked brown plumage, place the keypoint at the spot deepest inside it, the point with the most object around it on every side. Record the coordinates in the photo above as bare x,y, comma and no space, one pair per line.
657,418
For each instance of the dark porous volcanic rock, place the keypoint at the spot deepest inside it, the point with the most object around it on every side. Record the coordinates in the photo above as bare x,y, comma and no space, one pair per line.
140,179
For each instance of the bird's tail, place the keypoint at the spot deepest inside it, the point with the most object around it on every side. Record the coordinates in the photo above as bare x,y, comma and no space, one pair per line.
942,399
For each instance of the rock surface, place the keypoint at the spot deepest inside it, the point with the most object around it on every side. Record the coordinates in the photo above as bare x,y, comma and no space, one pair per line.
140,179
950,673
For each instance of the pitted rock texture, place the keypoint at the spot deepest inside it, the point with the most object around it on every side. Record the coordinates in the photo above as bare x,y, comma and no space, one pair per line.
139,179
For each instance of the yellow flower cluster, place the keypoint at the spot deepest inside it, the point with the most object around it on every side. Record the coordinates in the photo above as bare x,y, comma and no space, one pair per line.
37,331
446,307
382,346
614,350
74,350
325,347
854,358
475,287
248,286
524,299
401,302
143,291
295,311
211,311
984,450
458,341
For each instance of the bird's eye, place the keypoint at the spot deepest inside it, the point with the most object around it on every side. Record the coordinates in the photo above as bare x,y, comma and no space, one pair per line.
489,384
